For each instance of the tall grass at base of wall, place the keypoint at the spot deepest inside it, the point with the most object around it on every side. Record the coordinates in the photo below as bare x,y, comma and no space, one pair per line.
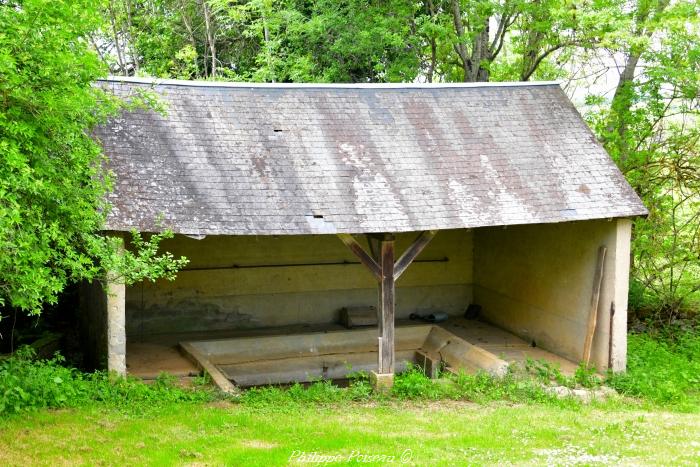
663,366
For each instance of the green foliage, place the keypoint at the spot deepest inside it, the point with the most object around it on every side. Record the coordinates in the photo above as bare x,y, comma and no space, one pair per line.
515,386
650,128
413,384
28,384
52,181
584,376
662,368
349,40
316,392
132,393
142,260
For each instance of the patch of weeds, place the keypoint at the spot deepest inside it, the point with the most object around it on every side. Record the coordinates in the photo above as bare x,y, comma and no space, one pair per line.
548,373
202,380
663,367
414,384
133,393
587,376
359,387
30,384
514,386
265,396
318,391
27,383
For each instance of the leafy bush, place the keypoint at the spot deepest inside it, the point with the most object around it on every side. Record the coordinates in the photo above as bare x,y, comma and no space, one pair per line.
52,182
413,384
663,368
30,384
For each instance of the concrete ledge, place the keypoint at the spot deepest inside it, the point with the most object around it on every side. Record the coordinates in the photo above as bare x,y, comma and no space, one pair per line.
429,363
381,382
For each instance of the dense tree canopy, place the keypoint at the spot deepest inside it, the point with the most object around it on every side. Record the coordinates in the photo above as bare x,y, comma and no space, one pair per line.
51,184
632,66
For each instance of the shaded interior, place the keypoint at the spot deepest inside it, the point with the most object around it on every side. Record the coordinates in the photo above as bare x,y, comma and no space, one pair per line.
533,283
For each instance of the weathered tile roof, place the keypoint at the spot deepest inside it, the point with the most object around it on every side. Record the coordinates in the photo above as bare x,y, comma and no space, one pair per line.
296,159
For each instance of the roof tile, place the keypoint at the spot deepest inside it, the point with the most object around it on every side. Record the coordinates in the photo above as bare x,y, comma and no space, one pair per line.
262,160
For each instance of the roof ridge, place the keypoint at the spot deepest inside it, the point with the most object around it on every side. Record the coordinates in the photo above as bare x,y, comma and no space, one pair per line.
238,84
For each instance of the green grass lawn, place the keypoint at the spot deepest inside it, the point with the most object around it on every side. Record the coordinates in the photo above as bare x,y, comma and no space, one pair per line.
435,433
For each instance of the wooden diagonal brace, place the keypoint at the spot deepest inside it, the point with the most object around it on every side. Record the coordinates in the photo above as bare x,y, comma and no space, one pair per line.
364,257
414,250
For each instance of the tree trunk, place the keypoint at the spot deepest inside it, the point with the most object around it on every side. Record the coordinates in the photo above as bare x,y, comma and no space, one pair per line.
115,34
211,39
533,44
480,54
130,36
460,47
623,98
433,45
268,50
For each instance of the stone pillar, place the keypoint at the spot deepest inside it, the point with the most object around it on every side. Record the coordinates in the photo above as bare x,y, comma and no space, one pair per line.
618,339
116,330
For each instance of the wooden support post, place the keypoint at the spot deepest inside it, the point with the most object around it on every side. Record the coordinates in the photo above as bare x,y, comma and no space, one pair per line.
593,311
386,306
386,270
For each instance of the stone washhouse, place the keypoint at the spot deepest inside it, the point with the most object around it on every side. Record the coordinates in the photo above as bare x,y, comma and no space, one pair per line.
294,202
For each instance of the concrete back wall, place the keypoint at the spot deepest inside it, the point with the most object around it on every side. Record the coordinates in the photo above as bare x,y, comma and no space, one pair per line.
536,281
236,298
